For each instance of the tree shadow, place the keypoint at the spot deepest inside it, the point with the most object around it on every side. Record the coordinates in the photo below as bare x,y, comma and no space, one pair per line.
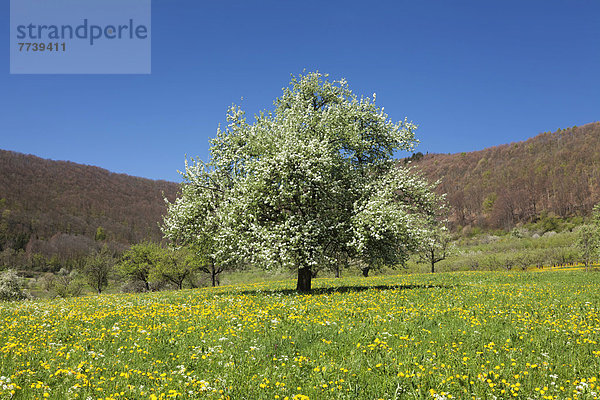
342,289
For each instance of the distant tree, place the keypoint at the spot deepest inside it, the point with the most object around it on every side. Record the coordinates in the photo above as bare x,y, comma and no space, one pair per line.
97,268
7,256
47,281
549,223
138,262
12,286
67,284
509,260
175,266
366,269
488,203
588,241
100,234
435,245
414,157
54,264
37,262
343,263
562,254
213,270
524,259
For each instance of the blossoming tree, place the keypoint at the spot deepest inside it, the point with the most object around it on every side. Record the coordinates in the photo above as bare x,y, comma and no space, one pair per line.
302,185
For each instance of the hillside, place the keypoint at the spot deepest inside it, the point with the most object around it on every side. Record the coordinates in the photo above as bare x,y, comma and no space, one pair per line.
47,205
552,173
55,209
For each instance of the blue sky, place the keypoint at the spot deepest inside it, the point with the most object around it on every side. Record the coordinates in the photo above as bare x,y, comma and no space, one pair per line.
471,74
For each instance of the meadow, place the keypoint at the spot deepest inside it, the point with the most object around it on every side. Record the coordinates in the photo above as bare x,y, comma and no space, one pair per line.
481,335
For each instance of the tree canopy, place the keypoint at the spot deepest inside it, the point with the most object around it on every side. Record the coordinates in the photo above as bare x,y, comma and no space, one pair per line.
302,185
97,268
138,262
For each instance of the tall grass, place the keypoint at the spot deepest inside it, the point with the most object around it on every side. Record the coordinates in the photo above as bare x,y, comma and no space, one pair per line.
453,335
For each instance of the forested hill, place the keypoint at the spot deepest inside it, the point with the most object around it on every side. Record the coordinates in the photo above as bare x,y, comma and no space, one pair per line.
57,202
59,208
501,186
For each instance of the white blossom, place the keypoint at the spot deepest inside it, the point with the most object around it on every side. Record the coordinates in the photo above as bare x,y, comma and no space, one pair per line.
304,183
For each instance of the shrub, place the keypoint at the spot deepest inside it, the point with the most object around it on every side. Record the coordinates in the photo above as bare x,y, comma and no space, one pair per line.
47,281
68,284
12,286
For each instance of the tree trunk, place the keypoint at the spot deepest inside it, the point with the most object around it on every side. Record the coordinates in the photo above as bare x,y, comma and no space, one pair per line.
304,280
365,272
213,275
147,286
337,271
432,267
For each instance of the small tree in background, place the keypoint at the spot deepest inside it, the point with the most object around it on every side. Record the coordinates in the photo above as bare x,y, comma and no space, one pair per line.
523,259
342,263
138,262
100,234
175,266
97,268
214,271
588,241
12,286
435,247
46,281
67,284
366,269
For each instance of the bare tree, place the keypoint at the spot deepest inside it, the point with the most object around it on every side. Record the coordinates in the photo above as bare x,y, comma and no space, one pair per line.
436,247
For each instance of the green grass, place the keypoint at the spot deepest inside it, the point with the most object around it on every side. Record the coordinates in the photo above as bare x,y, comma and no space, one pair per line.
454,335
506,252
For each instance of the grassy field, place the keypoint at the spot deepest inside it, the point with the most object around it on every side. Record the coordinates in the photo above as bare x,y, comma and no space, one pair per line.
453,335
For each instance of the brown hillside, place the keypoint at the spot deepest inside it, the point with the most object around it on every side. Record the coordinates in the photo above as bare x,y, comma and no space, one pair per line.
501,186
40,199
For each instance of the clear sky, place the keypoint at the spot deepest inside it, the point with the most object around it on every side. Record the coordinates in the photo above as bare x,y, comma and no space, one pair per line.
471,74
